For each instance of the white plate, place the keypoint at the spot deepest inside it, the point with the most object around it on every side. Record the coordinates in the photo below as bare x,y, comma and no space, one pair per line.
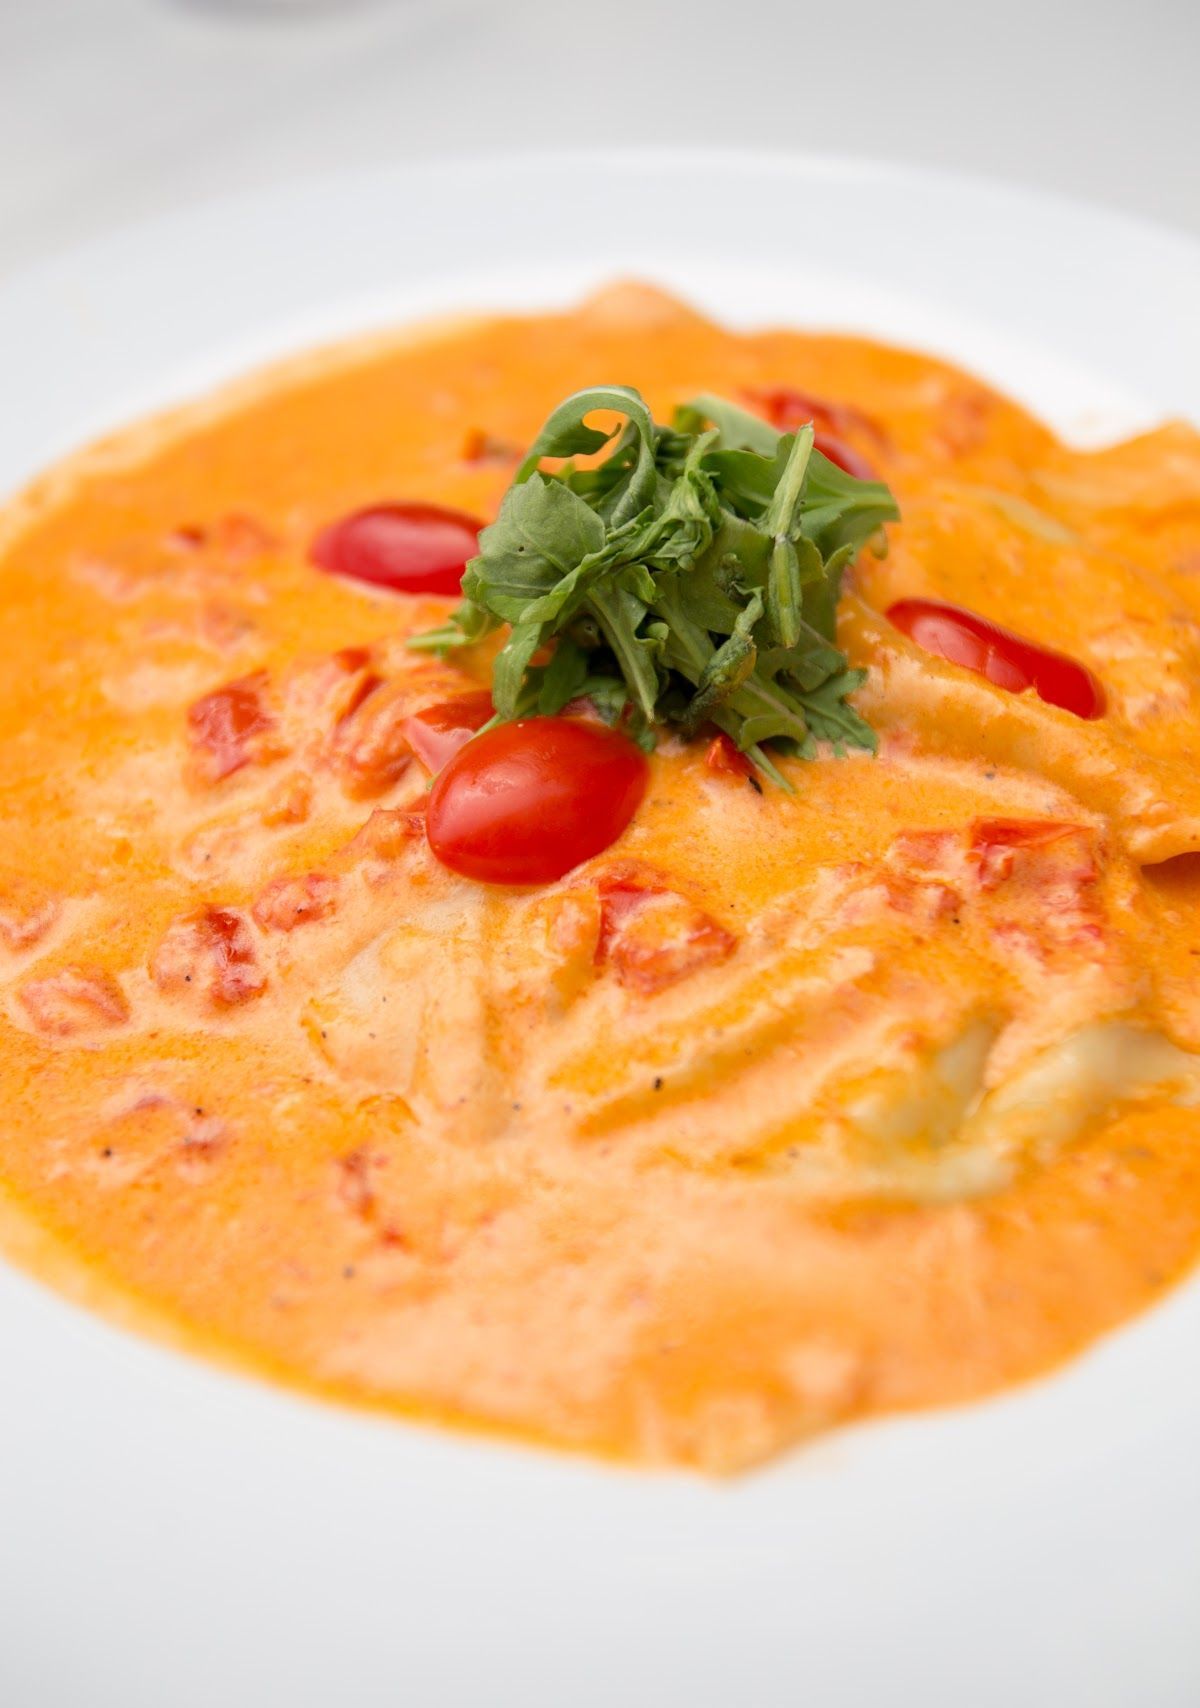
172,1537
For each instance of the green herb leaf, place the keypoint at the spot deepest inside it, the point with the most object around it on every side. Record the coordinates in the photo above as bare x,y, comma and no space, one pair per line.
689,574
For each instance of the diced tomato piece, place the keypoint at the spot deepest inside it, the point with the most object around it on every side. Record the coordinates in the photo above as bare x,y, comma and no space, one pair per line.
1004,658
213,952
369,747
223,724
436,733
724,757
74,999
27,912
324,692
287,902
290,803
1038,876
652,936
482,447
925,873
995,843
378,848
236,536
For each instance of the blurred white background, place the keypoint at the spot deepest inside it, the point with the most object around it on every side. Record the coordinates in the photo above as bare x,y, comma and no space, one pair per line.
113,109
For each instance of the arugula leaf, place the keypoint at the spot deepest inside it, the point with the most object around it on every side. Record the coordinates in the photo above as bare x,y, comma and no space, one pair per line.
737,428
543,533
687,574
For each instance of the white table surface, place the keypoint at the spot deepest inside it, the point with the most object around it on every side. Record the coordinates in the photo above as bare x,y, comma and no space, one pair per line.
115,109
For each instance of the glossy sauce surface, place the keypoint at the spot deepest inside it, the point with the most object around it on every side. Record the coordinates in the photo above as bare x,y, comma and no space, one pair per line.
777,1112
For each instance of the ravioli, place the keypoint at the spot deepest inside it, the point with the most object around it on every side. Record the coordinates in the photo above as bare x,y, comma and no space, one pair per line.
785,1110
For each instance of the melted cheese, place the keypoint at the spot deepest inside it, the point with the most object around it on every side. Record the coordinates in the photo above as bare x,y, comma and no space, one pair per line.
859,1106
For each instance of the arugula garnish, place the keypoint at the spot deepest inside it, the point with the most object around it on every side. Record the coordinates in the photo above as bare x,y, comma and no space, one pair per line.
690,576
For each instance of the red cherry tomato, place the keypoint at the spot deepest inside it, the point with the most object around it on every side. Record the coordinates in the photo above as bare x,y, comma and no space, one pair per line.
436,733
526,801
1005,658
409,548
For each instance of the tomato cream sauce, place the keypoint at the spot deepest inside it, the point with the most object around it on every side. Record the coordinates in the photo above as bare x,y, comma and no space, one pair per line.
781,1111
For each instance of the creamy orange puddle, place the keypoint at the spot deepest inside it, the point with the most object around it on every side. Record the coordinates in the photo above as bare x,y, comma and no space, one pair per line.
922,1123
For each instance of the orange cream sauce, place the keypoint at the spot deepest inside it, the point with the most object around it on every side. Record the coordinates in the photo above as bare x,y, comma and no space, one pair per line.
869,1102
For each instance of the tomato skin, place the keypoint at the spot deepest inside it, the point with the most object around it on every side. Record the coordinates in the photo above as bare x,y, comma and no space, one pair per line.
436,733
1007,659
525,802
407,548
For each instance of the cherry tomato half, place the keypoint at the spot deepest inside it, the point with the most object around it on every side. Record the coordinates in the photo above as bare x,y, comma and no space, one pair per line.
526,801
436,733
409,548
1005,658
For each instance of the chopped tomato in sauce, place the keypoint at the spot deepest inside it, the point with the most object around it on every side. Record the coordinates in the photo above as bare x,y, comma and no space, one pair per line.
223,724
652,936
212,951
995,843
724,757
436,732
287,902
